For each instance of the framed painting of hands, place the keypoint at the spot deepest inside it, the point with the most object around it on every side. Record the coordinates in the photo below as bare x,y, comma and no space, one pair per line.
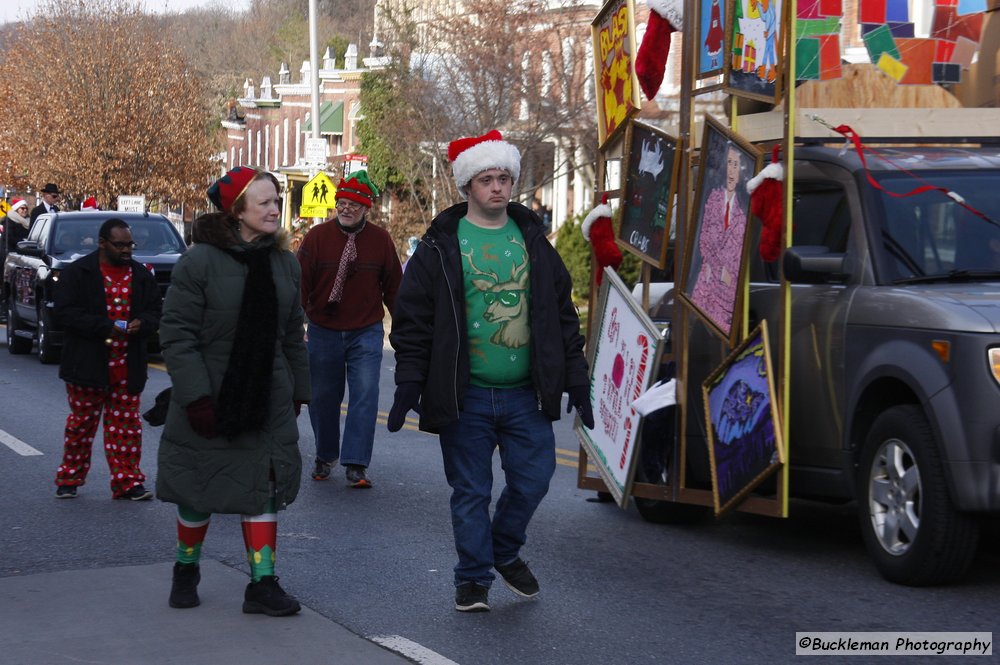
719,229
651,165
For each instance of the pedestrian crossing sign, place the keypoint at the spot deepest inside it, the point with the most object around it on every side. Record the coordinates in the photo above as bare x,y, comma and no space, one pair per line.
317,196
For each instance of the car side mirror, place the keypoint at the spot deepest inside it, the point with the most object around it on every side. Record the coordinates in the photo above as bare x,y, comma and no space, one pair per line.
29,247
813,264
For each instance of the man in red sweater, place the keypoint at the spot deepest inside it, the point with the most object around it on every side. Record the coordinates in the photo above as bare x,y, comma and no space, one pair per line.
349,270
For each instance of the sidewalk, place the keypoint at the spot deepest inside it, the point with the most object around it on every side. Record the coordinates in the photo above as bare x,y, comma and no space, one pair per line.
120,616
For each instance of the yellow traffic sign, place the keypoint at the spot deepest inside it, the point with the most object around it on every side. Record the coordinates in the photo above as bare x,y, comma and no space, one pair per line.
318,196
4,206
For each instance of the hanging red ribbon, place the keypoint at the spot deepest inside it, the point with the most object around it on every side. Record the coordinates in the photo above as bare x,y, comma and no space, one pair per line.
853,137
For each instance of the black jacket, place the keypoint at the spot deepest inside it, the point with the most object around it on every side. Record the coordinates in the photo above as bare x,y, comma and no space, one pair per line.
429,328
40,209
81,310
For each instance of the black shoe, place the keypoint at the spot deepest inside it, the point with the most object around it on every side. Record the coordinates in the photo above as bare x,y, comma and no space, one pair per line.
471,597
184,592
322,470
356,477
267,597
517,576
136,493
66,492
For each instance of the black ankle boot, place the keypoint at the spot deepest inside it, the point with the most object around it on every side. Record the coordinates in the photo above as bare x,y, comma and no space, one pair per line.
184,592
267,597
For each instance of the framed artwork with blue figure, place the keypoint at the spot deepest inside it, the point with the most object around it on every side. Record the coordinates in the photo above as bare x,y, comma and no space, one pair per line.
744,431
755,49
650,181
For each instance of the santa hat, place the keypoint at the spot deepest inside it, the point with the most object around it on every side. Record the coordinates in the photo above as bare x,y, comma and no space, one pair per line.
16,203
471,156
665,18
224,191
358,188
767,202
598,231
90,203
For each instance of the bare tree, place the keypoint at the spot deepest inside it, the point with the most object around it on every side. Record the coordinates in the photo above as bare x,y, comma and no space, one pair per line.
106,106
518,67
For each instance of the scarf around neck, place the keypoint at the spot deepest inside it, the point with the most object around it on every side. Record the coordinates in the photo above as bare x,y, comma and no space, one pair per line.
19,219
347,260
245,396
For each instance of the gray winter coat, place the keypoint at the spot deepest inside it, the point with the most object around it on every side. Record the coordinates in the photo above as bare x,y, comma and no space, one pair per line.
197,330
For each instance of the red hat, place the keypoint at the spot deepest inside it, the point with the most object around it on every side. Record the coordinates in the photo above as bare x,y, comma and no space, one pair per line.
90,203
471,156
357,187
224,191
18,202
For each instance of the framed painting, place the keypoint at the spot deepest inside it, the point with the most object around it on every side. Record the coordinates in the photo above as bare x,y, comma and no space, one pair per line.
718,232
624,354
755,49
615,83
710,44
652,159
744,433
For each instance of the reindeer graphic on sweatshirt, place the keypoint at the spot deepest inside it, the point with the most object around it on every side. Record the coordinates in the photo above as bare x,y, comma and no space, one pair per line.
504,292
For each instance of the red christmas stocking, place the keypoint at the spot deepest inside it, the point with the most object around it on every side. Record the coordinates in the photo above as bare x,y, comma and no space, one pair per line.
665,18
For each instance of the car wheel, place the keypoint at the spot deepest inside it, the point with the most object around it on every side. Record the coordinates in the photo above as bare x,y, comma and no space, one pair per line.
15,344
910,526
48,352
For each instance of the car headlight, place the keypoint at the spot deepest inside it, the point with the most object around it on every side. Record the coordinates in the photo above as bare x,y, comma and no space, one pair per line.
993,356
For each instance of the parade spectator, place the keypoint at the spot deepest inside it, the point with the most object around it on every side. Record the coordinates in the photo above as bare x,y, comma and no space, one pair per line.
349,269
486,340
16,224
232,342
108,306
50,197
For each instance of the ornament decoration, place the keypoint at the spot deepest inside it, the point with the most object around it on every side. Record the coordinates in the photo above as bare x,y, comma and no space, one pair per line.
599,232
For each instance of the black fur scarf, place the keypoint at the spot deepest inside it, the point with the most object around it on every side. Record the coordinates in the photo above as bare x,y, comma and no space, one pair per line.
245,396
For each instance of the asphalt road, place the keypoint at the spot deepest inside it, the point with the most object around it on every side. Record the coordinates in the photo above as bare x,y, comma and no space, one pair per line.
615,589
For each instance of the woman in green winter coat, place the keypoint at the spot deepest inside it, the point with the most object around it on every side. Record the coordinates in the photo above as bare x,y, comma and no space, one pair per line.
232,339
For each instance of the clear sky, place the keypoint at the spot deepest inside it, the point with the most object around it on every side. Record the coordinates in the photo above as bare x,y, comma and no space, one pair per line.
12,10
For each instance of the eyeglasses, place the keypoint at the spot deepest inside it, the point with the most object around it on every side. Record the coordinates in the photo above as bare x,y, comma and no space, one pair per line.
349,205
121,245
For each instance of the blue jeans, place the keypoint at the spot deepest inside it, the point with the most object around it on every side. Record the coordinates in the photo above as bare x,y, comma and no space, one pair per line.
336,356
511,420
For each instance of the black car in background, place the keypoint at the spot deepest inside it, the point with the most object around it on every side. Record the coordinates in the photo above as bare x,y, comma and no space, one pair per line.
31,271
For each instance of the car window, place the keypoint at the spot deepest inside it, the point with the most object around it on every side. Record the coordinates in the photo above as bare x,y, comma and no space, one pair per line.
75,237
40,229
930,234
156,236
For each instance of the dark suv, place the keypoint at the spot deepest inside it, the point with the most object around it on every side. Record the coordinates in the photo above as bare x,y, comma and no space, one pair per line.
895,351
32,270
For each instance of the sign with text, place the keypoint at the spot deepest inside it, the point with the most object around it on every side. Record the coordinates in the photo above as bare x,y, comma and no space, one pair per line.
316,151
624,355
132,203
317,196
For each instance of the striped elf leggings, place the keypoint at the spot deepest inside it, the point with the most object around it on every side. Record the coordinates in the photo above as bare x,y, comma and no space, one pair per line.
260,534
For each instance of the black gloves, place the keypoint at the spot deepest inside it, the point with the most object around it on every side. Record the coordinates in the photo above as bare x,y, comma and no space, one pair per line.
201,415
406,399
579,399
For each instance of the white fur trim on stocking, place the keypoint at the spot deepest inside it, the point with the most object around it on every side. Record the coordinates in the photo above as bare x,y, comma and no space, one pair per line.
773,171
603,210
672,10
